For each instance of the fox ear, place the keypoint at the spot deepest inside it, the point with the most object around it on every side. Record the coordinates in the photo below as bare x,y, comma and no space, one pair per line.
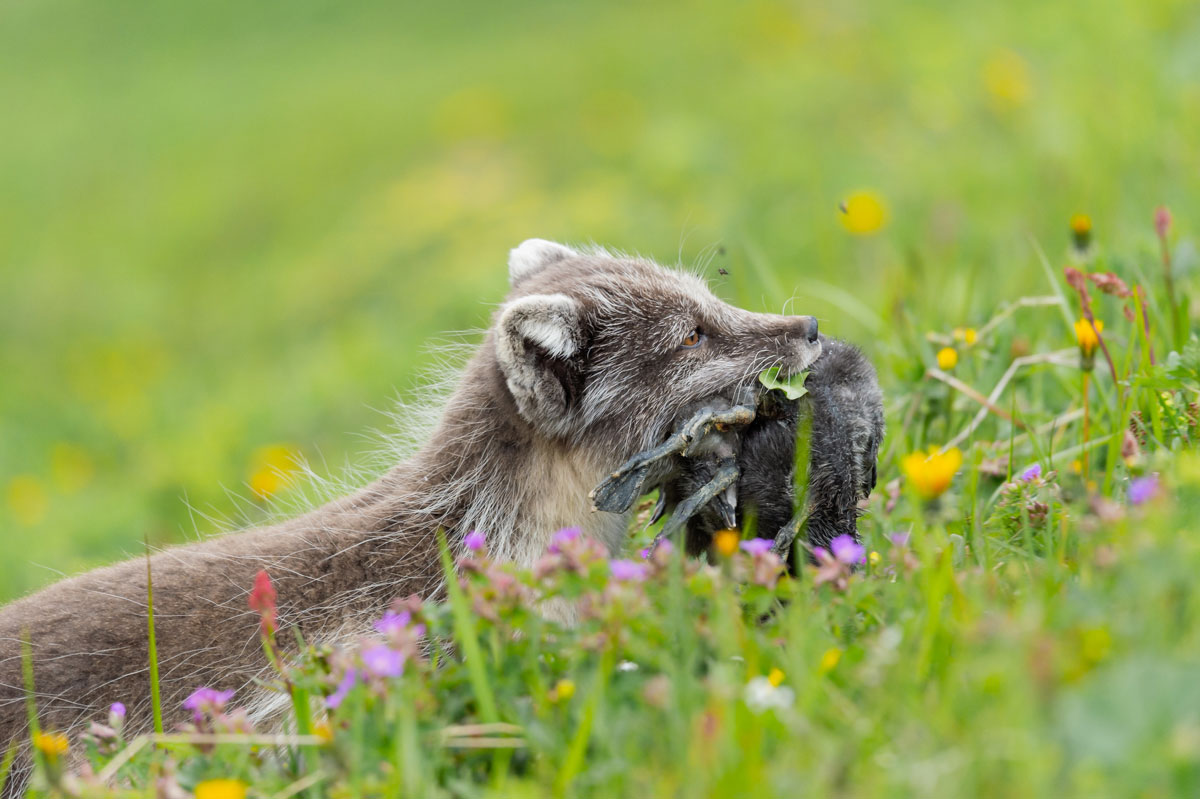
532,256
539,341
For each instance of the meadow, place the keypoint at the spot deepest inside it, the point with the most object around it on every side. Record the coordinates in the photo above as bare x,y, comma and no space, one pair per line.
231,236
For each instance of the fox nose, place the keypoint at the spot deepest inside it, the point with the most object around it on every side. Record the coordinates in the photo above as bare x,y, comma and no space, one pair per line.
809,328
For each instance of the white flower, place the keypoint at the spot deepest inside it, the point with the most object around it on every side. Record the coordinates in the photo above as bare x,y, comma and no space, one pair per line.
761,695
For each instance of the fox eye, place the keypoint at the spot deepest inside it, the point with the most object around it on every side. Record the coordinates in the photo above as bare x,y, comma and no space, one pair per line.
692,339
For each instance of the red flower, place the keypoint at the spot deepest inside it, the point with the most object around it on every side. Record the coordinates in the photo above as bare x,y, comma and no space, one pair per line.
262,601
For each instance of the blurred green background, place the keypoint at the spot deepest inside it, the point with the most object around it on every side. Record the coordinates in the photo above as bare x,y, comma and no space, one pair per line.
229,231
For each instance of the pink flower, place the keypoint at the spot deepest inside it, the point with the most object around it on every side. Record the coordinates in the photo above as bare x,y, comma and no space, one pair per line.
262,601
847,550
117,709
474,541
1162,221
757,546
564,537
348,681
628,570
382,661
1143,489
1032,473
206,700
393,622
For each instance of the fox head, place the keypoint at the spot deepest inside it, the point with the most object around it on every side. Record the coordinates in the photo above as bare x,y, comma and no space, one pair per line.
608,351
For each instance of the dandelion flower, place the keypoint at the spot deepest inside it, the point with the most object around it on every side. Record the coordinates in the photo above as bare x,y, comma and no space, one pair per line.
863,213
931,472
726,541
775,677
1088,338
830,659
563,690
947,358
51,744
221,789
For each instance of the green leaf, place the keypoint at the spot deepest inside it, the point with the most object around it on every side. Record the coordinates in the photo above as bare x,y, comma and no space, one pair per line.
792,387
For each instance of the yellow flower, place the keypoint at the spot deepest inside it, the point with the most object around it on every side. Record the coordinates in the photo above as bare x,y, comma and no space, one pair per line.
51,744
1006,77
726,541
221,789
874,558
968,335
930,472
775,677
270,468
563,690
947,358
1081,224
830,659
27,499
863,213
1086,336
323,731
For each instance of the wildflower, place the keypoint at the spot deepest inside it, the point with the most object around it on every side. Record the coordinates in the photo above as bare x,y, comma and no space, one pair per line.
1006,78
967,335
564,537
1032,473
221,789
1162,221
1081,232
863,213
27,499
1087,336
1143,489
726,541
323,731
947,358
627,665
270,469
563,690
874,558
1109,283
757,546
628,570
657,691
645,552
930,473
830,659
899,539
116,715
381,660
775,677
761,694
262,601
474,541
51,744
393,622
348,681
207,700
847,550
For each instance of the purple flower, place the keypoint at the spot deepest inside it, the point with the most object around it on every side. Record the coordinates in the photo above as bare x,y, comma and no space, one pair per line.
564,536
383,661
474,541
348,681
1143,489
393,622
821,553
1032,473
627,570
117,709
645,553
757,546
899,539
206,700
847,550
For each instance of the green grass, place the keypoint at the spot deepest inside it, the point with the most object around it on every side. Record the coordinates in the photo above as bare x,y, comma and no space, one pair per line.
225,228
